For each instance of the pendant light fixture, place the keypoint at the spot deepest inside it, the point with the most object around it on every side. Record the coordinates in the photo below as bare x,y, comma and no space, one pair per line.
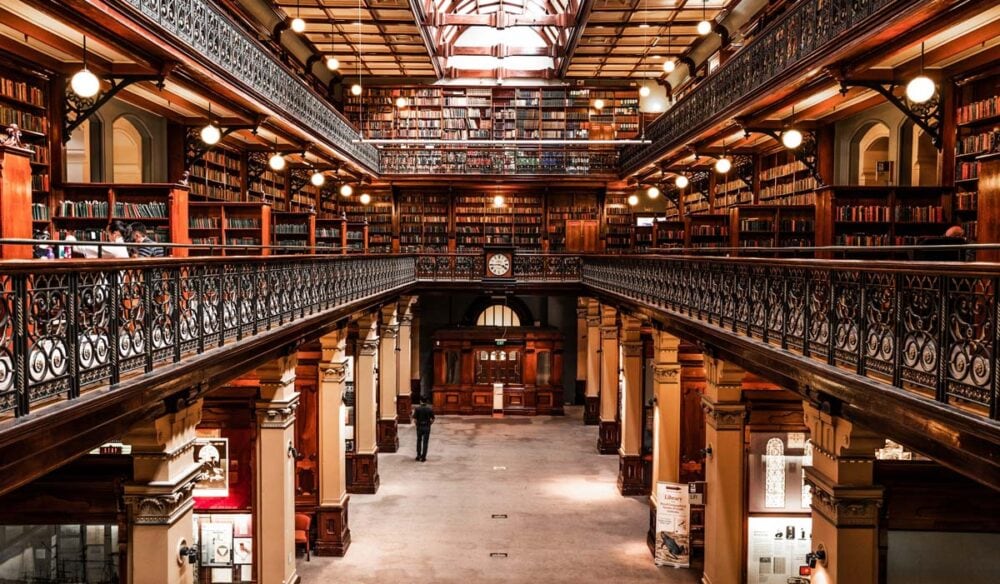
346,190
598,104
704,27
401,102
210,134
365,198
633,200
681,181
356,89
669,65
298,25
791,137
644,90
277,160
498,201
653,192
332,62
84,83
921,88
317,179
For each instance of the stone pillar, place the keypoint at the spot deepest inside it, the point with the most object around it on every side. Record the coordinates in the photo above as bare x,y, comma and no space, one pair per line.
630,467
609,431
592,400
404,396
415,361
845,503
364,463
388,373
333,533
725,506
274,493
158,500
666,419
581,350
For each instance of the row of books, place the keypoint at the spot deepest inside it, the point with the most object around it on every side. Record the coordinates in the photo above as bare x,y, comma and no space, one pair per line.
966,201
203,222
863,213
966,171
976,143
97,209
290,228
920,214
709,230
21,91
977,110
800,185
24,120
151,210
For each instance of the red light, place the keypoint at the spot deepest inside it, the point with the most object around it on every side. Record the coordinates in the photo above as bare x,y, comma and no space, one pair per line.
805,571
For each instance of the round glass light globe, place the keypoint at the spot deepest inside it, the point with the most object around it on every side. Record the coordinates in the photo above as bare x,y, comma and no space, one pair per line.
355,89
298,25
653,192
317,179
277,161
681,181
401,102
365,198
346,190
920,89
644,91
598,104
704,27
498,201
210,134
85,84
332,63
792,138
723,165
633,200
669,66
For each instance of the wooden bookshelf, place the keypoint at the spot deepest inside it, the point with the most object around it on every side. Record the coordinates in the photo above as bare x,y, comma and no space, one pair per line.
668,234
977,118
423,222
569,218
768,226
369,226
518,222
294,229
218,176
23,101
785,181
230,223
269,188
331,232
707,231
618,223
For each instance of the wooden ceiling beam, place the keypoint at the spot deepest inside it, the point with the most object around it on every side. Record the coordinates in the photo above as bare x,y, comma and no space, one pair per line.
498,20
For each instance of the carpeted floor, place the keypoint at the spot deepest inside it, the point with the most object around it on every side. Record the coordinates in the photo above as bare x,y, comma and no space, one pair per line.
433,522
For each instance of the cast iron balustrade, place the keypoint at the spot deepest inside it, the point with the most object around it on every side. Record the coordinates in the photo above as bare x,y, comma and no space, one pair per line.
202,26
930,328
470,267
808,29
69,325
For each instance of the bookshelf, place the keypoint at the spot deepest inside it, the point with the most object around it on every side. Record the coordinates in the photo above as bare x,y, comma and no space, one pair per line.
268,188
86,209
668,234
217,176
518,222
375,219
331,232
618,221
785,181
229,223
293,229
23,99
706,231
569,216
769,226
423,222
977,120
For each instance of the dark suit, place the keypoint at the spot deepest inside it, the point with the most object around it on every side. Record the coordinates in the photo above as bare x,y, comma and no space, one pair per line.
423,417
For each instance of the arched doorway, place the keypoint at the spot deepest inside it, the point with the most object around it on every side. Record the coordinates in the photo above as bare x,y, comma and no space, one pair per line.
127,151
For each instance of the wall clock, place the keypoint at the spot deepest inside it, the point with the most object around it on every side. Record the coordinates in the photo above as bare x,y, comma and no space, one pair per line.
499,263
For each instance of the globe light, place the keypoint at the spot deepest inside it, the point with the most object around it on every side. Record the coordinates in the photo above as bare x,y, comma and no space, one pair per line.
317,179
653,192
669,66
277,161
723,165
365,198
920,89
598,104
85,84
401,102
704,27
356,89
498,201
298,25
681,181
332,63
346,190
644,91
633,200
210,134
791,138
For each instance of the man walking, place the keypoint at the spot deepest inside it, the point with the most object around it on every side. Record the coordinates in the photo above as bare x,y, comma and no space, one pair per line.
424,417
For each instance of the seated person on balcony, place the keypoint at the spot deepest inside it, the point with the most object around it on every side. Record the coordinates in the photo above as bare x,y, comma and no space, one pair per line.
116,234
955,235
139,235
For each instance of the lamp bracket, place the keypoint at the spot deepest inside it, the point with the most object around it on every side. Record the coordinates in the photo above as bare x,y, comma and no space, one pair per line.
298,178
195,149
806,153
928,116
79,109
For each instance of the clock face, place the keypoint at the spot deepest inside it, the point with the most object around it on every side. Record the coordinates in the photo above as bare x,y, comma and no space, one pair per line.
498,264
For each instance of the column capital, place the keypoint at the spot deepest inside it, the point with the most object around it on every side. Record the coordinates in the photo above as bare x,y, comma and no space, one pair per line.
159,503
368,347
724,416
723,373
389,332
334,372
667,373
839,438
406,319
844,505
272,414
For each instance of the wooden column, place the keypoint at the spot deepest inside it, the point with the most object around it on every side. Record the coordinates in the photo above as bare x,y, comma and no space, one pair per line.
159,499
630,467
845,502
15,199
666,419
404,396
333,532
388,374
725,503
592,400
609,430
988,227
364,464
274,492
415,360
581,351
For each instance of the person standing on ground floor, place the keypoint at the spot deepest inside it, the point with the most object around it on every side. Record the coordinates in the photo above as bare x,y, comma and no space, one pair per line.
423,416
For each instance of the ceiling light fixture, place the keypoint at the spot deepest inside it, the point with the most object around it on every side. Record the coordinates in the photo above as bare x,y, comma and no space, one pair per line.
84,83
276,162
298,25
401,102
921,88
669,65
644,90
704,27
332,62
653,192
210,134
633,200
598,104
346,190
317,179
365,198
723,165
681,181
498,201
791,137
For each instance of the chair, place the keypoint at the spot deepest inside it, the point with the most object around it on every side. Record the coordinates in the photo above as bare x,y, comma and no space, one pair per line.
302,522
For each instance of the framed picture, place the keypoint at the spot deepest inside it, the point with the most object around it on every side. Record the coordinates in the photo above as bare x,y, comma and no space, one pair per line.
213,456
217,544
243,550
222,575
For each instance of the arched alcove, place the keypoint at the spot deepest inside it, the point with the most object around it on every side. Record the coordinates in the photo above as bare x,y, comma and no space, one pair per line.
872,147
84,150
924,159
129,144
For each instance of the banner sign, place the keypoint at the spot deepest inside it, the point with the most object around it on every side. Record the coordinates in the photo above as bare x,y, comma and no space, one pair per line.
673,525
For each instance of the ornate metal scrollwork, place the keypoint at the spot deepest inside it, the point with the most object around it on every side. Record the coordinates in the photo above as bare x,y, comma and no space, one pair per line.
928,116
78,109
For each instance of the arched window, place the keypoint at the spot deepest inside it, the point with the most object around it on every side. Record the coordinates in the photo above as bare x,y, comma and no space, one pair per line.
498,315
774,474
127,151
873,148
78,153
807,460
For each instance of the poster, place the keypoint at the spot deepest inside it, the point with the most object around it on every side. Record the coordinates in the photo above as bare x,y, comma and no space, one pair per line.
673,525
243,550
776,548
213,455
216,544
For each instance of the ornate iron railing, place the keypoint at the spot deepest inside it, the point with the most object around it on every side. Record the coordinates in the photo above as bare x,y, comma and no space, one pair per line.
930,328
70,325
810,28
202,26
471,267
